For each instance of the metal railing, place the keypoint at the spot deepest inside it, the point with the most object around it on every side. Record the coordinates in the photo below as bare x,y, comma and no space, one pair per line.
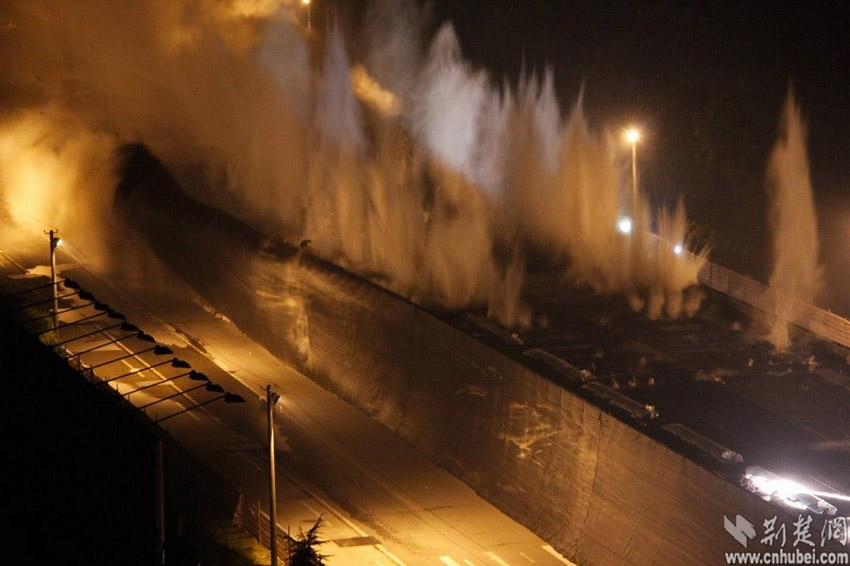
820,322
253,520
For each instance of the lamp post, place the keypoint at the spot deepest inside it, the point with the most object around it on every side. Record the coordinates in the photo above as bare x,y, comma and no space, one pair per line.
633,137
271,400
55,242
307,4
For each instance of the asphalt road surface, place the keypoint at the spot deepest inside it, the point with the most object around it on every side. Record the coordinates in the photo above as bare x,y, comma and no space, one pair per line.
381,502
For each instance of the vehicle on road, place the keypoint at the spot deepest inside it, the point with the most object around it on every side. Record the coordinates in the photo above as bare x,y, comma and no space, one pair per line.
773,487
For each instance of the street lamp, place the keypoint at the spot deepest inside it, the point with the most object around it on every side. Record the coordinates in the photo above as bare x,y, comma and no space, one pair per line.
208,385
138,334
271,399
633,137
307,3
55,242
225,396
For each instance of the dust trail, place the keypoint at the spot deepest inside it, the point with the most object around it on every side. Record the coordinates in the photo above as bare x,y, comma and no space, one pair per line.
797,273
407,165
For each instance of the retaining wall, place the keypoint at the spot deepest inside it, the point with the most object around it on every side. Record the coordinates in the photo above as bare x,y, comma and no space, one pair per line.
598,488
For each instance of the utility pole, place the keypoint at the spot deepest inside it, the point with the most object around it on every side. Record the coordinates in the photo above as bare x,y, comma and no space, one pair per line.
159,488
54,243
271,399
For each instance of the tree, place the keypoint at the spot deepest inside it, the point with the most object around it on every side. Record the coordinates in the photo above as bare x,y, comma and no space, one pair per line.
305,548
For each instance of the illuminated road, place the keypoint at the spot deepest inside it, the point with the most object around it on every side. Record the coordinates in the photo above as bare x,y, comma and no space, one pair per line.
382,503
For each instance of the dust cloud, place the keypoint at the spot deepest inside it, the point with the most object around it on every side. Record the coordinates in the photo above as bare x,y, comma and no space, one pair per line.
408,166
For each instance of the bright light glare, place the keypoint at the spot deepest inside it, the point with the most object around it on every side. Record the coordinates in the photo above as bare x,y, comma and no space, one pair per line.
305,2
772,487
625,225
57,242
678,249
632,135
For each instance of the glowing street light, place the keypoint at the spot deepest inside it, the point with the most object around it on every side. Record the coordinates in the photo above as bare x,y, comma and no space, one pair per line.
307,3
632,136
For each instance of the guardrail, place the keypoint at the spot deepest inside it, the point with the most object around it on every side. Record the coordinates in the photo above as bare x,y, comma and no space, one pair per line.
251,518
825,324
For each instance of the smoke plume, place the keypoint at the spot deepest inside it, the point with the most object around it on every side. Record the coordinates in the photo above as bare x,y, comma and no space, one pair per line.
408,166
796,275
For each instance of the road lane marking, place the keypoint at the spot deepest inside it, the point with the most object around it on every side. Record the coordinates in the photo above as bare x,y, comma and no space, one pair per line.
492,556
299,417
389,555
165,381
468,562
527,557
448,561
301,485
322,501
548,548
15,263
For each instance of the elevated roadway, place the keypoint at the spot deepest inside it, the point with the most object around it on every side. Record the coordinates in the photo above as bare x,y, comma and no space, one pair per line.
616,439
594,419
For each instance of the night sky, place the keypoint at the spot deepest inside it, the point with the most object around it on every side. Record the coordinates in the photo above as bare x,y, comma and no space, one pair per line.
706,81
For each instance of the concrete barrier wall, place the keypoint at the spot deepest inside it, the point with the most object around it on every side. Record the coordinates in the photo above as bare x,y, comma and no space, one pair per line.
825,324
599,490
